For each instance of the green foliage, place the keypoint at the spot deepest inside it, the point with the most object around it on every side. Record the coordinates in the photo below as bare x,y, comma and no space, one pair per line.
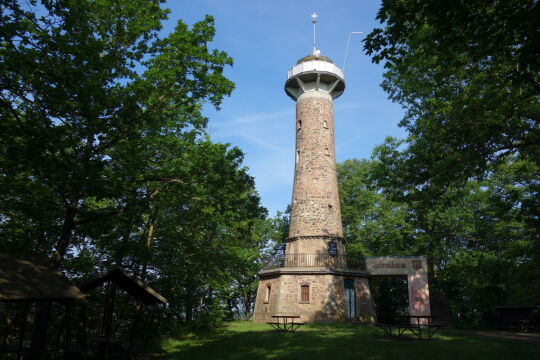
467,72
105,160
481,239
373,224
390,296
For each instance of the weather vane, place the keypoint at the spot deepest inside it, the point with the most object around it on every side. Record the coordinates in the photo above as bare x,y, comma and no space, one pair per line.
314,17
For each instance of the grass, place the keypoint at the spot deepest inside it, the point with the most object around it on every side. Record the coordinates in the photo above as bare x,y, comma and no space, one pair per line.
245,340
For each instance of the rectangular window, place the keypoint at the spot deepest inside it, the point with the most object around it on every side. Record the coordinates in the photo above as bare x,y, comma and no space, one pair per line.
304,293
267,295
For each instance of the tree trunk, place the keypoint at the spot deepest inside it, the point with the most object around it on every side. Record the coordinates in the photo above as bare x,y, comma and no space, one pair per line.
109,309
38,347
119,258
248,301
150,229
65,235
188,301
148,241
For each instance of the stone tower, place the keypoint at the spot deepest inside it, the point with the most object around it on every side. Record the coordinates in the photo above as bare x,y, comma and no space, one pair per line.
314,278
315,213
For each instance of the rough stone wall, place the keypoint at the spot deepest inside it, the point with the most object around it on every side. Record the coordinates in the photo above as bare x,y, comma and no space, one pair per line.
326,298
315,203
326,301
265,309
311,246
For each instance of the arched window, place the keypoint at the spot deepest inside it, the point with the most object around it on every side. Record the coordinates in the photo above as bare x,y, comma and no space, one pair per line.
304,293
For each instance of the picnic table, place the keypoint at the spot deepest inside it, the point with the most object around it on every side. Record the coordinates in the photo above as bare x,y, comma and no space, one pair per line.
413,323
285,323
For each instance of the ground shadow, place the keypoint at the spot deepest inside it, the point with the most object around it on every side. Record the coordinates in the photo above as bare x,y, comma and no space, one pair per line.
345,341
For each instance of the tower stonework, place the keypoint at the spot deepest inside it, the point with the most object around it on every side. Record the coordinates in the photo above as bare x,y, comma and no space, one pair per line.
315,201
314,278
315,210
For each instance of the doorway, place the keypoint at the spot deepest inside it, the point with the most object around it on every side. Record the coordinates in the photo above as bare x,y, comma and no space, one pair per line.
350,299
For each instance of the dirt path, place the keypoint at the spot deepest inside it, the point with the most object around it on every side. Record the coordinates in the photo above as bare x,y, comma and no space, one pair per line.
533,337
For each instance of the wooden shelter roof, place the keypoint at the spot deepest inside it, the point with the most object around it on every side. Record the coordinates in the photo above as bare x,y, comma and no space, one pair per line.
33,279
129,283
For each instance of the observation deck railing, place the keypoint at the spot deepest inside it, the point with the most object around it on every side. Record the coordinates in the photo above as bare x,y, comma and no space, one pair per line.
322,260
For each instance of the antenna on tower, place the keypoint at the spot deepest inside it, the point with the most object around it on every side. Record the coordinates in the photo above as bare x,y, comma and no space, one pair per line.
314,17
347,49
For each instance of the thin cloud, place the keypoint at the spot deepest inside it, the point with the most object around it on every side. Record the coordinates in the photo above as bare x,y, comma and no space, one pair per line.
261,142
256,117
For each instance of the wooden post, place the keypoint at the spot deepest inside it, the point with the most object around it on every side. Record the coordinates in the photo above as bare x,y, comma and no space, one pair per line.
67,327
23,330
108,317
38,348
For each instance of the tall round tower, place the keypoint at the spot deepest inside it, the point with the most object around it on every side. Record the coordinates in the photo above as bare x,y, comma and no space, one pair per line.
314,82
313,277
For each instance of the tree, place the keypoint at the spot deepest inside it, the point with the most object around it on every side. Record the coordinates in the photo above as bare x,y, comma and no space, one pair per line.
78,79
102,139
373,224
467,72
481,238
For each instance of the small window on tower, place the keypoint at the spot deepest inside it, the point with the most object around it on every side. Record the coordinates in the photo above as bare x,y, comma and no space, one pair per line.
297,156
327,152
304,293
330,208
325,124
298,124
267,295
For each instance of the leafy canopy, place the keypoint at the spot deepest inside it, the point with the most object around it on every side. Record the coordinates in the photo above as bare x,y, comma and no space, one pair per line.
467,73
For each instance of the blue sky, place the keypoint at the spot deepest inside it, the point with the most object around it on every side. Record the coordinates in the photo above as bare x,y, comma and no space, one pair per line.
266,38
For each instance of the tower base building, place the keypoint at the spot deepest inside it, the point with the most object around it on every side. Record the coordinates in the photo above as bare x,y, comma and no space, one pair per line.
317,295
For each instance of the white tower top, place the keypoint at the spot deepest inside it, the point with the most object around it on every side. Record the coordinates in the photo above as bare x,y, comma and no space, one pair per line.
314,73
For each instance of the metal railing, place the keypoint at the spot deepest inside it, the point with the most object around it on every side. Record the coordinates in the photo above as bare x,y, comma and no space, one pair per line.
323,260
